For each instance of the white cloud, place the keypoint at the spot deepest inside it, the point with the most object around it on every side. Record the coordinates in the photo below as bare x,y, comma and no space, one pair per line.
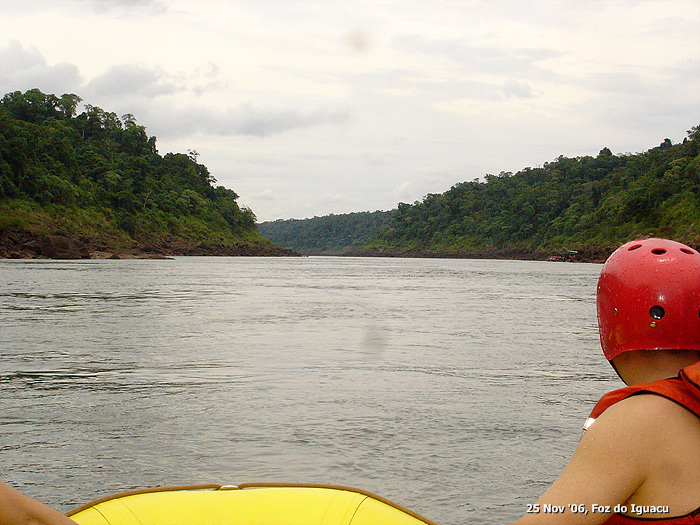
373,159
405,192
267,195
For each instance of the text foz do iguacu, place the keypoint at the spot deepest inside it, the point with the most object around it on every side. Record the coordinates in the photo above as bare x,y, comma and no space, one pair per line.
577,508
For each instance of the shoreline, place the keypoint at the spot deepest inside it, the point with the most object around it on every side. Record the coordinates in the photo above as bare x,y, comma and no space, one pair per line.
18,243
590,254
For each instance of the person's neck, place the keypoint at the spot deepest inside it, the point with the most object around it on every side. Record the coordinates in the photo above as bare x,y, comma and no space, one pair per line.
647,366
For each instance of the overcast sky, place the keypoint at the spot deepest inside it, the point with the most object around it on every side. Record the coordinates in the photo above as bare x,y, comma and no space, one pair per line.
313,107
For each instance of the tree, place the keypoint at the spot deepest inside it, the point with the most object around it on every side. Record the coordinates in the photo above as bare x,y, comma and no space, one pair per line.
68,104
129,120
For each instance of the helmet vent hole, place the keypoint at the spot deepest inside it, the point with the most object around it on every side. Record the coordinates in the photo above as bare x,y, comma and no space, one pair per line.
686,250
636,246
656,312
658,251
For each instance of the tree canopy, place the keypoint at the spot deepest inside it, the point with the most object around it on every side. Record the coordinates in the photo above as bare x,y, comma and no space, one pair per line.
327,235
100,174
65,165
582,201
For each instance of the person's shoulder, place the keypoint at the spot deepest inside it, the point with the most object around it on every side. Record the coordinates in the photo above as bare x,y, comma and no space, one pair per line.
625,439
644,408
640,408
640,423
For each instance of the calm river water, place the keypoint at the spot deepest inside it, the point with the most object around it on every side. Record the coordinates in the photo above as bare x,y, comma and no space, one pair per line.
456,388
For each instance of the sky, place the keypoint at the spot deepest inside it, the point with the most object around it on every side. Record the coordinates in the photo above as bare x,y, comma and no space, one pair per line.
307,108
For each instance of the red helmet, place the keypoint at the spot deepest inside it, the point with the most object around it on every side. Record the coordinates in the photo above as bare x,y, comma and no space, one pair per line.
649,298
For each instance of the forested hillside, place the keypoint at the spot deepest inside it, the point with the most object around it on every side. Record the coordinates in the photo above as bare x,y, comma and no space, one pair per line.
590,204
327,235
97,182
93,184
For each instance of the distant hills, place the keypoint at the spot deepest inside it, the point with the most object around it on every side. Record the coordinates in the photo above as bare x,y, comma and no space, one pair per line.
94,185
327,235
589,204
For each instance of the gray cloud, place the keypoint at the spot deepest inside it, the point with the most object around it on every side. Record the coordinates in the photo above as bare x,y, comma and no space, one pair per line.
133,88
127,7
513,88
385,87
476,58
22,69
15,58
131,80
243,120
248,120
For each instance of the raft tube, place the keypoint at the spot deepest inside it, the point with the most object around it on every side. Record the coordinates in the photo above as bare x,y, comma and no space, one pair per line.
246,504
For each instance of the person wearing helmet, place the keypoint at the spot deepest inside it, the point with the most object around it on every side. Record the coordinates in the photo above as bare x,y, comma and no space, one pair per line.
639,458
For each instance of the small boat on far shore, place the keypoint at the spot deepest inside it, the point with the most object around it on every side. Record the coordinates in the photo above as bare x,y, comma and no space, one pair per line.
563,256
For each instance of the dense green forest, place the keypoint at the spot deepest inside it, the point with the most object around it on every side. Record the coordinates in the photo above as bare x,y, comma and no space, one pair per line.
591,204
327,235
98,178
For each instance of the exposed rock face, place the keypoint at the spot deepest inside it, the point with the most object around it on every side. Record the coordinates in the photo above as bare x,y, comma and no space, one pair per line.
17,243
11,241
62,247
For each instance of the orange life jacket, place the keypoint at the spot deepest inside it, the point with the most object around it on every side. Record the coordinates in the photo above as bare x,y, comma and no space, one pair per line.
684,390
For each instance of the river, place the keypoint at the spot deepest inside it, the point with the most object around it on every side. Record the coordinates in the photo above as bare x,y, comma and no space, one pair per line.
456,388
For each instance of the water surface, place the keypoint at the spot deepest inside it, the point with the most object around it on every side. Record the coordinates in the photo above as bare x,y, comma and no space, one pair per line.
456,388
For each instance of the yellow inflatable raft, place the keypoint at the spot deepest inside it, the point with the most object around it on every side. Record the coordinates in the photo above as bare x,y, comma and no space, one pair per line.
246,504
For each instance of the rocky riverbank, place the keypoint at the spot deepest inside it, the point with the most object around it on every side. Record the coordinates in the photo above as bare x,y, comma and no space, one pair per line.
594,253
18,243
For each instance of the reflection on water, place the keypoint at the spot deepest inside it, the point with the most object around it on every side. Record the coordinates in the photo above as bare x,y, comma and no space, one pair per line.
456,388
